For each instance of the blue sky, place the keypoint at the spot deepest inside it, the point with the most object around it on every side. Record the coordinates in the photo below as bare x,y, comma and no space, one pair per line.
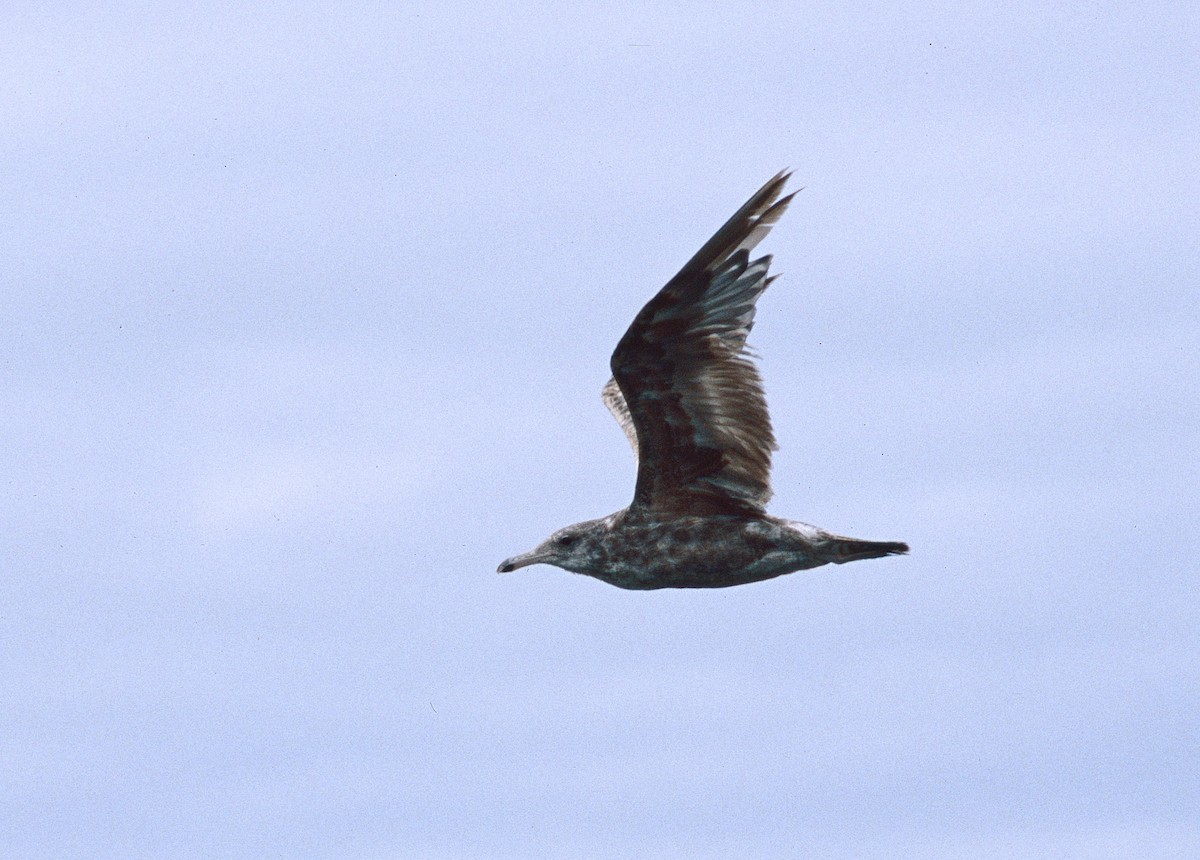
307,311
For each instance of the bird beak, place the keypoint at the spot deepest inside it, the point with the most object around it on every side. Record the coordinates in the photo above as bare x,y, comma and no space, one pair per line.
509,565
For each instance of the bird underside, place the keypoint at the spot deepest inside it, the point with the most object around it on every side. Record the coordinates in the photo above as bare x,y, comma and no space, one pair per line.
636,550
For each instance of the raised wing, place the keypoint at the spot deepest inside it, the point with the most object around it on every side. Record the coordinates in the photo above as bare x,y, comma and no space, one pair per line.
694,397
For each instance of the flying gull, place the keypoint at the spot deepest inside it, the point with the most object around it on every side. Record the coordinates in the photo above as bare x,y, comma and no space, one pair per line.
691,402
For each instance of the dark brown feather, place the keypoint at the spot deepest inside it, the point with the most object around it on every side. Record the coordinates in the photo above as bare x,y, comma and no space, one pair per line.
695,398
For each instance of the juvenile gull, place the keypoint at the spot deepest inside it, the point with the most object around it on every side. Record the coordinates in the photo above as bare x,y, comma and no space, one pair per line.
690,400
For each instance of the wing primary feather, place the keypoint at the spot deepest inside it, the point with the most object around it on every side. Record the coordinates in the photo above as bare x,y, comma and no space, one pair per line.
742,231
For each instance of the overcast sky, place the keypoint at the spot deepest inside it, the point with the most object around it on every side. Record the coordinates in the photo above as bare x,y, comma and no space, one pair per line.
306,311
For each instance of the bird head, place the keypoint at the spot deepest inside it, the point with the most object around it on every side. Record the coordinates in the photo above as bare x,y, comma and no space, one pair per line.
571,548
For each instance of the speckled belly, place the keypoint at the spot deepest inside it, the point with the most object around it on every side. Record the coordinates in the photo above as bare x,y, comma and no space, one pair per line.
702,552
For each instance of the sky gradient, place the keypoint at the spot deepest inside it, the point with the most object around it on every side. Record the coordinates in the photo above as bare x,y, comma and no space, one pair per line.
307,311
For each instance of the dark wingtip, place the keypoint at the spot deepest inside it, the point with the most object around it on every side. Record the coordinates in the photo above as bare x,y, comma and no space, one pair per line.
759,213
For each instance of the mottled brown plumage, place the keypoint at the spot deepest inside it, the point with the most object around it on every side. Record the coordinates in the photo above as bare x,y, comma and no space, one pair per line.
691,402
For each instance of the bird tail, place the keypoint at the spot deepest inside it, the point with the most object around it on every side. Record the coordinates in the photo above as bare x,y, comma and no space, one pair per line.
841,550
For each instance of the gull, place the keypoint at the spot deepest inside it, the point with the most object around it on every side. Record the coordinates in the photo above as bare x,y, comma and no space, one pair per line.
690,400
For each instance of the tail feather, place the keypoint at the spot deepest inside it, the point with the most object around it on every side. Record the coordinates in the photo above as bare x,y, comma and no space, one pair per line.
842,550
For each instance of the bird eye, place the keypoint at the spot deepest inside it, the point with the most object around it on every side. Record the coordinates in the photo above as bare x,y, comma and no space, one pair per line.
566,540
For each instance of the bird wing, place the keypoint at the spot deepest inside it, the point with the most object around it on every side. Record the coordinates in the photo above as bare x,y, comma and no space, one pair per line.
611,395
693,395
